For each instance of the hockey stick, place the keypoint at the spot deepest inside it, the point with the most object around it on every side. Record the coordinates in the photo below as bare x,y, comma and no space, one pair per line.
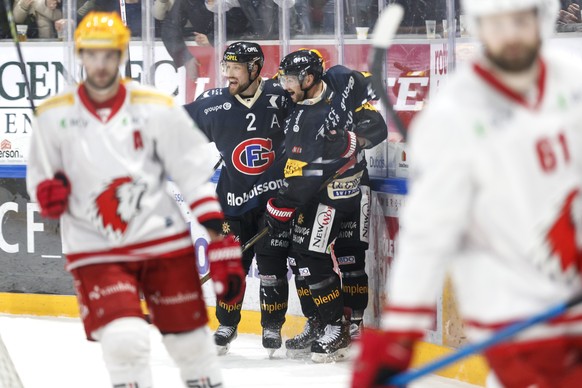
42,150
384,31
124,20
406,377
217,163
12,25
253,240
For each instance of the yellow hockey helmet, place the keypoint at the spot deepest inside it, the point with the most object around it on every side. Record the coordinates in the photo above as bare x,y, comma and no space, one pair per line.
102,30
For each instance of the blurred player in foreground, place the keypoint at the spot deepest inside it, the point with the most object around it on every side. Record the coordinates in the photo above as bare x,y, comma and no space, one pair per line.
100,158
495,201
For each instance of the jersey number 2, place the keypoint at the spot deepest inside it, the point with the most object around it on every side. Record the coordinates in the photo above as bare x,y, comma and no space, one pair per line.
547,155
253,118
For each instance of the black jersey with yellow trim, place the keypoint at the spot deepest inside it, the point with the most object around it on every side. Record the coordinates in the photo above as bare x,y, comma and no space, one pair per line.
249,136
311,160
353,89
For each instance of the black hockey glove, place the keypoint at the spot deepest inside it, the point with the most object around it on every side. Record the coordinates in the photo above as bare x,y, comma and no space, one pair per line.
278,218
340,144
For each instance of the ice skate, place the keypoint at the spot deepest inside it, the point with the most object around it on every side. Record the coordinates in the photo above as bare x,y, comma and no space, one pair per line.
300,345
272,340
333,345
223,336
356,330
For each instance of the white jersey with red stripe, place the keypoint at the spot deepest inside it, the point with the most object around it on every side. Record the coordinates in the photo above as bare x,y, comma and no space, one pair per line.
117,161
494,200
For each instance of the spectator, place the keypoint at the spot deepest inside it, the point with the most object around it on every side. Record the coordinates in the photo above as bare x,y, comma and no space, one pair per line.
45,12
263,13
83,8
569,12
174,32
4,29
132,12
161,8
417,12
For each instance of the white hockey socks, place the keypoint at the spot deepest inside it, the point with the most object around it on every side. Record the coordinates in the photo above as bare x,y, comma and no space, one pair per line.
126,350
195,354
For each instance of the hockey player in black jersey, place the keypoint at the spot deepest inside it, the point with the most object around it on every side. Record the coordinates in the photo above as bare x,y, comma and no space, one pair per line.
245,120
317,146
352,242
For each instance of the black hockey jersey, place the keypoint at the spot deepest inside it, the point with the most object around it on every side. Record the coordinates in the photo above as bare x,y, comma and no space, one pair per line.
249,136
311,158
353,89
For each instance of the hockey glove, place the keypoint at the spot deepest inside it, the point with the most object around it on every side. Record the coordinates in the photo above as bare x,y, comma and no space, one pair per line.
226,269
340,144
53,195
278,218
383,355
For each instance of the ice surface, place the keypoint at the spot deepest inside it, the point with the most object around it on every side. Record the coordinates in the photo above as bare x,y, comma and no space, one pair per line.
53,352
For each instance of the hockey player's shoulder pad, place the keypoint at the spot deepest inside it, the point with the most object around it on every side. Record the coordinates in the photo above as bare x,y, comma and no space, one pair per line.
64,99
339,75
345,80
366,106
272,84
210,93
149,96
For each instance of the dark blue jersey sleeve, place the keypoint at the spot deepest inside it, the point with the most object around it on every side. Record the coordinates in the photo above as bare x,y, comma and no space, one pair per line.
370,125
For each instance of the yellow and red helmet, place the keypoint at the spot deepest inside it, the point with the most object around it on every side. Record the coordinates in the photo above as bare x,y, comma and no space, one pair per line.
102,30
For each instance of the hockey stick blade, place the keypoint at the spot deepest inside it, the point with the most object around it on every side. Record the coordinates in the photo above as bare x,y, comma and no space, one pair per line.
384,32
405,378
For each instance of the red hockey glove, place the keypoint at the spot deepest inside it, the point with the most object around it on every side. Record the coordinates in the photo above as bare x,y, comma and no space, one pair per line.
340,144
383,355
53,195
226,269
278,218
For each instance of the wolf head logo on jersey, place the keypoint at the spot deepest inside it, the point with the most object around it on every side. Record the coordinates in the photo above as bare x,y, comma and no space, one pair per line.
564,238
117,205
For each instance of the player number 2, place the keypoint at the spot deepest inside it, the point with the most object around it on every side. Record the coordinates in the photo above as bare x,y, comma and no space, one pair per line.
547,155
253,118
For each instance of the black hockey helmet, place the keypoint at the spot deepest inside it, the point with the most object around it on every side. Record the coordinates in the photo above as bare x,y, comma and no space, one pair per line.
303,62
245,52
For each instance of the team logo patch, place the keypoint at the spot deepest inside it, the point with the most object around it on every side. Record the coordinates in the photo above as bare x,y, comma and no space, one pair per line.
345,187
253,156
321,228
117,205
225,228
344,260
294,168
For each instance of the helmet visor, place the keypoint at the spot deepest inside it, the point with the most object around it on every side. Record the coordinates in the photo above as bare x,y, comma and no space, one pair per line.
289,81
232,68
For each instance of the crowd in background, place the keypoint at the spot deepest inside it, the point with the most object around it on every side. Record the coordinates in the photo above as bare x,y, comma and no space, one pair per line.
194,19
179,20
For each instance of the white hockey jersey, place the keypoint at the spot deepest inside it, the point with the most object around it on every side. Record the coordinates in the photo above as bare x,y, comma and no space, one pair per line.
494,189
119,209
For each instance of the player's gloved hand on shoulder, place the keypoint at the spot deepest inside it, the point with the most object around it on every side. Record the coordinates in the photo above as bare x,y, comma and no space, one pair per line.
226,270
340,144
53,195
383,355
278,218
